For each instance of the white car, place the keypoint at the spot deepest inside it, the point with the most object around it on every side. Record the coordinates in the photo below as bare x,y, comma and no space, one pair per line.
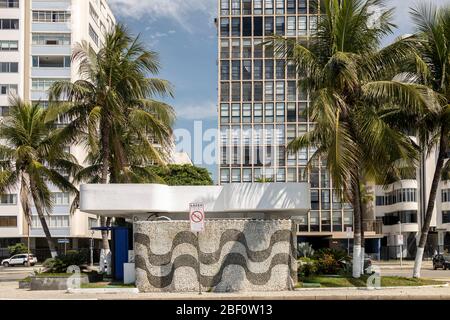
19,260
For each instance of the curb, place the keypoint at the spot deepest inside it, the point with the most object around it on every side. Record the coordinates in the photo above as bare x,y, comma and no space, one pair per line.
104,290
372,289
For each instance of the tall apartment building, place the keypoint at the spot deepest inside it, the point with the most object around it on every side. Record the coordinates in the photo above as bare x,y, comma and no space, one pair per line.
261,110
36,41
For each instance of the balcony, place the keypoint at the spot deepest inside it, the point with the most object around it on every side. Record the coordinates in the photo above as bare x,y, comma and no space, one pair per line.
373,226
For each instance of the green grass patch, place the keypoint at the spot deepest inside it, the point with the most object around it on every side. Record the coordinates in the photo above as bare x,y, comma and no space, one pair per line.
343,282
106,285
56,275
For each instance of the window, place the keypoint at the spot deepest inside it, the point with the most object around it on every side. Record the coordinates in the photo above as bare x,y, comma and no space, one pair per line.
92,223
93,13
93,35
51,16
236,175
291,91
9,24
9,45
280,112
247,175
269,113
53,222
8,89
9,3
9,199
236,70
258,91
268,26
247,27
445,216
302,25
246,113
257,112
225,175
337,221
394,218
291,23
225,7
44,84
4,111
225,49
280,69
225,91
398,196
258,69
51,39
280,90
246,70
269,70
258,27
269,91
302,7
348,219
236,48
291,112
446,195
280,26
51,62
258,48
314,221
280,6
225,70
225,27
268,6
246,7
60,198
235,7
291,6
235,113
247,48
247,91
8,222
9,67
236,27
257,6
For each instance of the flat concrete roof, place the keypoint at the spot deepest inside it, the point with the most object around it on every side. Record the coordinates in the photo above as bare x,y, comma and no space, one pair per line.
128,200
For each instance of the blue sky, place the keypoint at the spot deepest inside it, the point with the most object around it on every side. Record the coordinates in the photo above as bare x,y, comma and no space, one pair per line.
184,34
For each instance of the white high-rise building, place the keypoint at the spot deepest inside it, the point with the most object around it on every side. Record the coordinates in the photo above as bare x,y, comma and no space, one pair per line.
36,41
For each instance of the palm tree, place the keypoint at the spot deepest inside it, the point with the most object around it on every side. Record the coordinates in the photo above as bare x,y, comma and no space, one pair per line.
353,91
113,98
432,64
32,156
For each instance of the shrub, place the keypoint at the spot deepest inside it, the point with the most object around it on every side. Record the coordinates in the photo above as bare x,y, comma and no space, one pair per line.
61,263
331,261
18,248
305,250
307,267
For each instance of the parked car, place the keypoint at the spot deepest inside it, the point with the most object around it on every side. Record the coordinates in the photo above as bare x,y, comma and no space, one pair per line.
441,261
19,260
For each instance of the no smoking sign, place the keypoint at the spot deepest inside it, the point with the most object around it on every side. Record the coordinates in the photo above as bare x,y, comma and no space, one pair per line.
197,217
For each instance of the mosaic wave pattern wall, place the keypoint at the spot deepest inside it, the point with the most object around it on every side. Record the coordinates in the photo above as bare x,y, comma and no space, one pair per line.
234,255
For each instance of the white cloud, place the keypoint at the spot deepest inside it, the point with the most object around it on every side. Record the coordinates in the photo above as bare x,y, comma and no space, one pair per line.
200,111
179,10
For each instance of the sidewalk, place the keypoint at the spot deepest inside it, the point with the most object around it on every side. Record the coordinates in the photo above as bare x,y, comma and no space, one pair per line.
9,291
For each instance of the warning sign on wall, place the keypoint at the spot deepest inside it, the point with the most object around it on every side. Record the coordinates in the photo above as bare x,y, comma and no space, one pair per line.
197,217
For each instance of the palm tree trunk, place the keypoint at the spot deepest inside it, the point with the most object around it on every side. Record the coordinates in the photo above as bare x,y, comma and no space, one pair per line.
363,245
431,203
106,145
357,232
41,215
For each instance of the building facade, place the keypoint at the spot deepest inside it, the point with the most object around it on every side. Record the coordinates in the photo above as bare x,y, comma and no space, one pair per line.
36,41
261,109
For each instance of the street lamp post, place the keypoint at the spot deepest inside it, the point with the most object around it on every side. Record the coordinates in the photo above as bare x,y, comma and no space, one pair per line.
92,248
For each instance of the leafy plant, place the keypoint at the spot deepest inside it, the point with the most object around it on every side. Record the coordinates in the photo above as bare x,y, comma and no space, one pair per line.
307,267
61,263
305,250
18,248
183,175
331,261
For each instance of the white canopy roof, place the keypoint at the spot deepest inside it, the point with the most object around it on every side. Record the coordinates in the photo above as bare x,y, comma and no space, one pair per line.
126,200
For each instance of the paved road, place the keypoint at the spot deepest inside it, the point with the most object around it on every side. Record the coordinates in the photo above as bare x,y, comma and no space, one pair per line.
15,273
